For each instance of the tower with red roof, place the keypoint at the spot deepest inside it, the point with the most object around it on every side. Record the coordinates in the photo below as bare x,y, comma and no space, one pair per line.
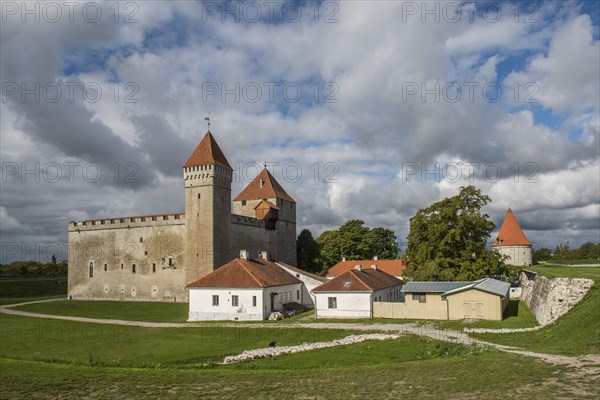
512,242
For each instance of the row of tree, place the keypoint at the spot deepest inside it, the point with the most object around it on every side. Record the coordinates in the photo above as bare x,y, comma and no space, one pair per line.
33,268
587,251
447,241
352,240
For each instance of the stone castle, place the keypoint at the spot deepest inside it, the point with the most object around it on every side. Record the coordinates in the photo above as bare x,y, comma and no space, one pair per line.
154,257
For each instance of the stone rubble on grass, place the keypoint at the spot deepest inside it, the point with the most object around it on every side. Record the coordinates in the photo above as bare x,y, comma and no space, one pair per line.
500,330
277,351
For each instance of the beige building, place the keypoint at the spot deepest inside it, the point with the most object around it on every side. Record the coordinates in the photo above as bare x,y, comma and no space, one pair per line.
482,299
512,242
153,257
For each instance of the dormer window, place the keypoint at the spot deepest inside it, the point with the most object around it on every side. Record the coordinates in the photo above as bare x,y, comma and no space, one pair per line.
261,182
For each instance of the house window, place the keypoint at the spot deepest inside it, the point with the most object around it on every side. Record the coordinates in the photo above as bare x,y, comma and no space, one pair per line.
153,267
253,301
297,295
243,202
235,301
91,271
332,302
133,268
419,296
215,299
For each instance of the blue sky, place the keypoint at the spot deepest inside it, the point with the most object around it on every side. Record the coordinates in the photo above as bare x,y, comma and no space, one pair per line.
358,92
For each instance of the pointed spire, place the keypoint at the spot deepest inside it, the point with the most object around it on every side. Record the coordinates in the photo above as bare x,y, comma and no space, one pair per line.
511,233
264,186
208,152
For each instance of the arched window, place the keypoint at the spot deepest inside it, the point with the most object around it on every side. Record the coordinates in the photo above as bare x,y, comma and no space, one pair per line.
91,270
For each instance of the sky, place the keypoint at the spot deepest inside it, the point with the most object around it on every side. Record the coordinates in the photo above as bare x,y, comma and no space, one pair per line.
361,110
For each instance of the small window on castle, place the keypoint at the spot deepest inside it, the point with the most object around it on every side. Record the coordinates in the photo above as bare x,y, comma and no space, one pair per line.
106,267
133,268
146,252
198,196
91,270
243,202
170,261
153,267
141,240
121,266
215,299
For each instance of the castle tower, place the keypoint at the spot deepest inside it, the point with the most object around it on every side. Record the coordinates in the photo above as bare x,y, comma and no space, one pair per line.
265,199
207,177
512,242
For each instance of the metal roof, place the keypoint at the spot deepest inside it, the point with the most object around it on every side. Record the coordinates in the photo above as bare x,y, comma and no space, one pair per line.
488,285
432,287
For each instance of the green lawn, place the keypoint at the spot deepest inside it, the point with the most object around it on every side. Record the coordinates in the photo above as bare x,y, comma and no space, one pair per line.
45,286
570,262
557,271
125,310
577,332
17,300
365,371
113,345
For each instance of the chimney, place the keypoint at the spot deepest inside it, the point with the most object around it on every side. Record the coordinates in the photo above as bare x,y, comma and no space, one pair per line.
264,255
244,254
374,267
375,258
358,267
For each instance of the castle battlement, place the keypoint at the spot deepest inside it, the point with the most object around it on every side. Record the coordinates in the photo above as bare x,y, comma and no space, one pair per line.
128,222
244,220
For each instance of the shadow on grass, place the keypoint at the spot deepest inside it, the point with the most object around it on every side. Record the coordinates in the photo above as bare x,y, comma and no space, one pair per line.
512,310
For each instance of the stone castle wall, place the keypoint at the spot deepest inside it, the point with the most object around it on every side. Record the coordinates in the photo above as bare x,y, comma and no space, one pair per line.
137,258
549,299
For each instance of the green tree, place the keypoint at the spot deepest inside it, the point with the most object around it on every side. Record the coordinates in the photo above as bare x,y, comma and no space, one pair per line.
307,250
447,240
355,241
587,251
542,254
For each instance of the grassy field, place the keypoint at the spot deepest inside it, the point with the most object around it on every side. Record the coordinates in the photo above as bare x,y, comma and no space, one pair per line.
571,262
49,286
125,310
16,300
557,271
396,369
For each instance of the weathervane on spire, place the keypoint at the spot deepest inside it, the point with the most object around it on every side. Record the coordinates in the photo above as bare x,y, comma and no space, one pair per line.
208,120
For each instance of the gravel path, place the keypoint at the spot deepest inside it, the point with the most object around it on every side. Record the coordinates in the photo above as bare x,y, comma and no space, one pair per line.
400,329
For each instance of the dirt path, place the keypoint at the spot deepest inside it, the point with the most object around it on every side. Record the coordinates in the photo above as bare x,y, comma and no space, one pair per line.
588,364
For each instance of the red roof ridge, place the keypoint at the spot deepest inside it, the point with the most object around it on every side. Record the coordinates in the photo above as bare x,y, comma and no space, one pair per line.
270,189
354,272
239,261
207,152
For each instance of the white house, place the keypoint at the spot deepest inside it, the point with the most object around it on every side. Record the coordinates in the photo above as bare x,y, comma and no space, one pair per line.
310,281
351,294
243,289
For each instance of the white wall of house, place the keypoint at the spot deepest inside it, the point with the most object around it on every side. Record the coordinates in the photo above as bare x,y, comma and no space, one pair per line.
348,305
202,309
353,304
306,299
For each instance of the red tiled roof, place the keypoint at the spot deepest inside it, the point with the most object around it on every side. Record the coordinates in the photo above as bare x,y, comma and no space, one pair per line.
392,267
367,280
242,273
270,189
208,152
511,233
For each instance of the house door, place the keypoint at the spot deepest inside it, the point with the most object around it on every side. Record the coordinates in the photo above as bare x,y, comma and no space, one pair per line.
472,309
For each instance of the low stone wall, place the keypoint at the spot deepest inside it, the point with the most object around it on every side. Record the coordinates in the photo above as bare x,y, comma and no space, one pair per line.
549,299
277,351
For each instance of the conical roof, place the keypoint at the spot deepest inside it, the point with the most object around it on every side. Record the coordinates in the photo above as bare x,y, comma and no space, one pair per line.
264,186
208,152
511,233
